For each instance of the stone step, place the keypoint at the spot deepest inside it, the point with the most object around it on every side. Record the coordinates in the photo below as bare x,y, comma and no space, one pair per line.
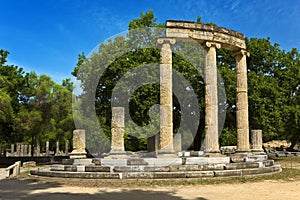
171,168
158,175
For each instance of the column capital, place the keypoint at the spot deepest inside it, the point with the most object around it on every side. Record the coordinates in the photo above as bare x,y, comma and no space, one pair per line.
212,44
241,52
161,41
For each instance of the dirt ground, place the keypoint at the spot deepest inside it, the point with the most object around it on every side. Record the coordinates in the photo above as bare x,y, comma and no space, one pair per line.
266,190
50,188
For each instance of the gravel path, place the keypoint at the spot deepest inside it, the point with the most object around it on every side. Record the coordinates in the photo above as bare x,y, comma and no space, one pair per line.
267,190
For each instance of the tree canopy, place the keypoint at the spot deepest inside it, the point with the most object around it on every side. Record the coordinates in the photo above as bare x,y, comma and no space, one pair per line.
33,109
273,79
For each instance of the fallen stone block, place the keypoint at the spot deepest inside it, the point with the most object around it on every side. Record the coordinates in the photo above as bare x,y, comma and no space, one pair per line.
128,168
156,168
199,174
114,162
29,164
178,168
244,165
57,168
136,161
196,161
97,169
212,167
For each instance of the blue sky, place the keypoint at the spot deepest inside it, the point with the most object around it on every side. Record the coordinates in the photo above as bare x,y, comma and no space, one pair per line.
46,36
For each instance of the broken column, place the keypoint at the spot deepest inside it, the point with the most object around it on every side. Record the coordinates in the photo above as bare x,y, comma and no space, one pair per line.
12,149
25,150
22,150
78,144
18,149
242,121
29,150
57,153
37,149
67,148
166,98
256,141
117,131
211,100
47,148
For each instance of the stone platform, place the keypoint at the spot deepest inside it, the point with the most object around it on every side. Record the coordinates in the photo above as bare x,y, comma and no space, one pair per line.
158,168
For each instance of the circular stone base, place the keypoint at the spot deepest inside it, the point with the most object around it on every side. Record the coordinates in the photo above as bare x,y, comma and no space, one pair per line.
163,168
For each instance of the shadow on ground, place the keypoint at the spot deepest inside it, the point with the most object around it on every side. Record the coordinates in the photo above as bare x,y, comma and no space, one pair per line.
30,189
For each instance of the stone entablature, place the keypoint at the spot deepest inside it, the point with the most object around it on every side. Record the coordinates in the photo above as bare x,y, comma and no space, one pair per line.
228,39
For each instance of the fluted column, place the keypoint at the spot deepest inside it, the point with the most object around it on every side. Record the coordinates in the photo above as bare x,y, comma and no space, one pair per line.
166,100
211,99
242,120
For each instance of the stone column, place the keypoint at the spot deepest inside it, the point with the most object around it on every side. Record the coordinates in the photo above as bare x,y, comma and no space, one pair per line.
57,153
78,144
25,150
166,98
12,149
67,148
29,150
256,141
38,149
4,149
47,148
211,100
18,149
22,150
117,131
242,121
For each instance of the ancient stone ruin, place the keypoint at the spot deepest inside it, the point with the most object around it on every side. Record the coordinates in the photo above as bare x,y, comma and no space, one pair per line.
168,161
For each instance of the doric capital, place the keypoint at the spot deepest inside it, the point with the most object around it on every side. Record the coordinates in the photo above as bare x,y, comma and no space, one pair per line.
241,52
161,41
212,44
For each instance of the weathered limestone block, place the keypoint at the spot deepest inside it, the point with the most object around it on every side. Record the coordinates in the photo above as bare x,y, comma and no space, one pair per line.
78,144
